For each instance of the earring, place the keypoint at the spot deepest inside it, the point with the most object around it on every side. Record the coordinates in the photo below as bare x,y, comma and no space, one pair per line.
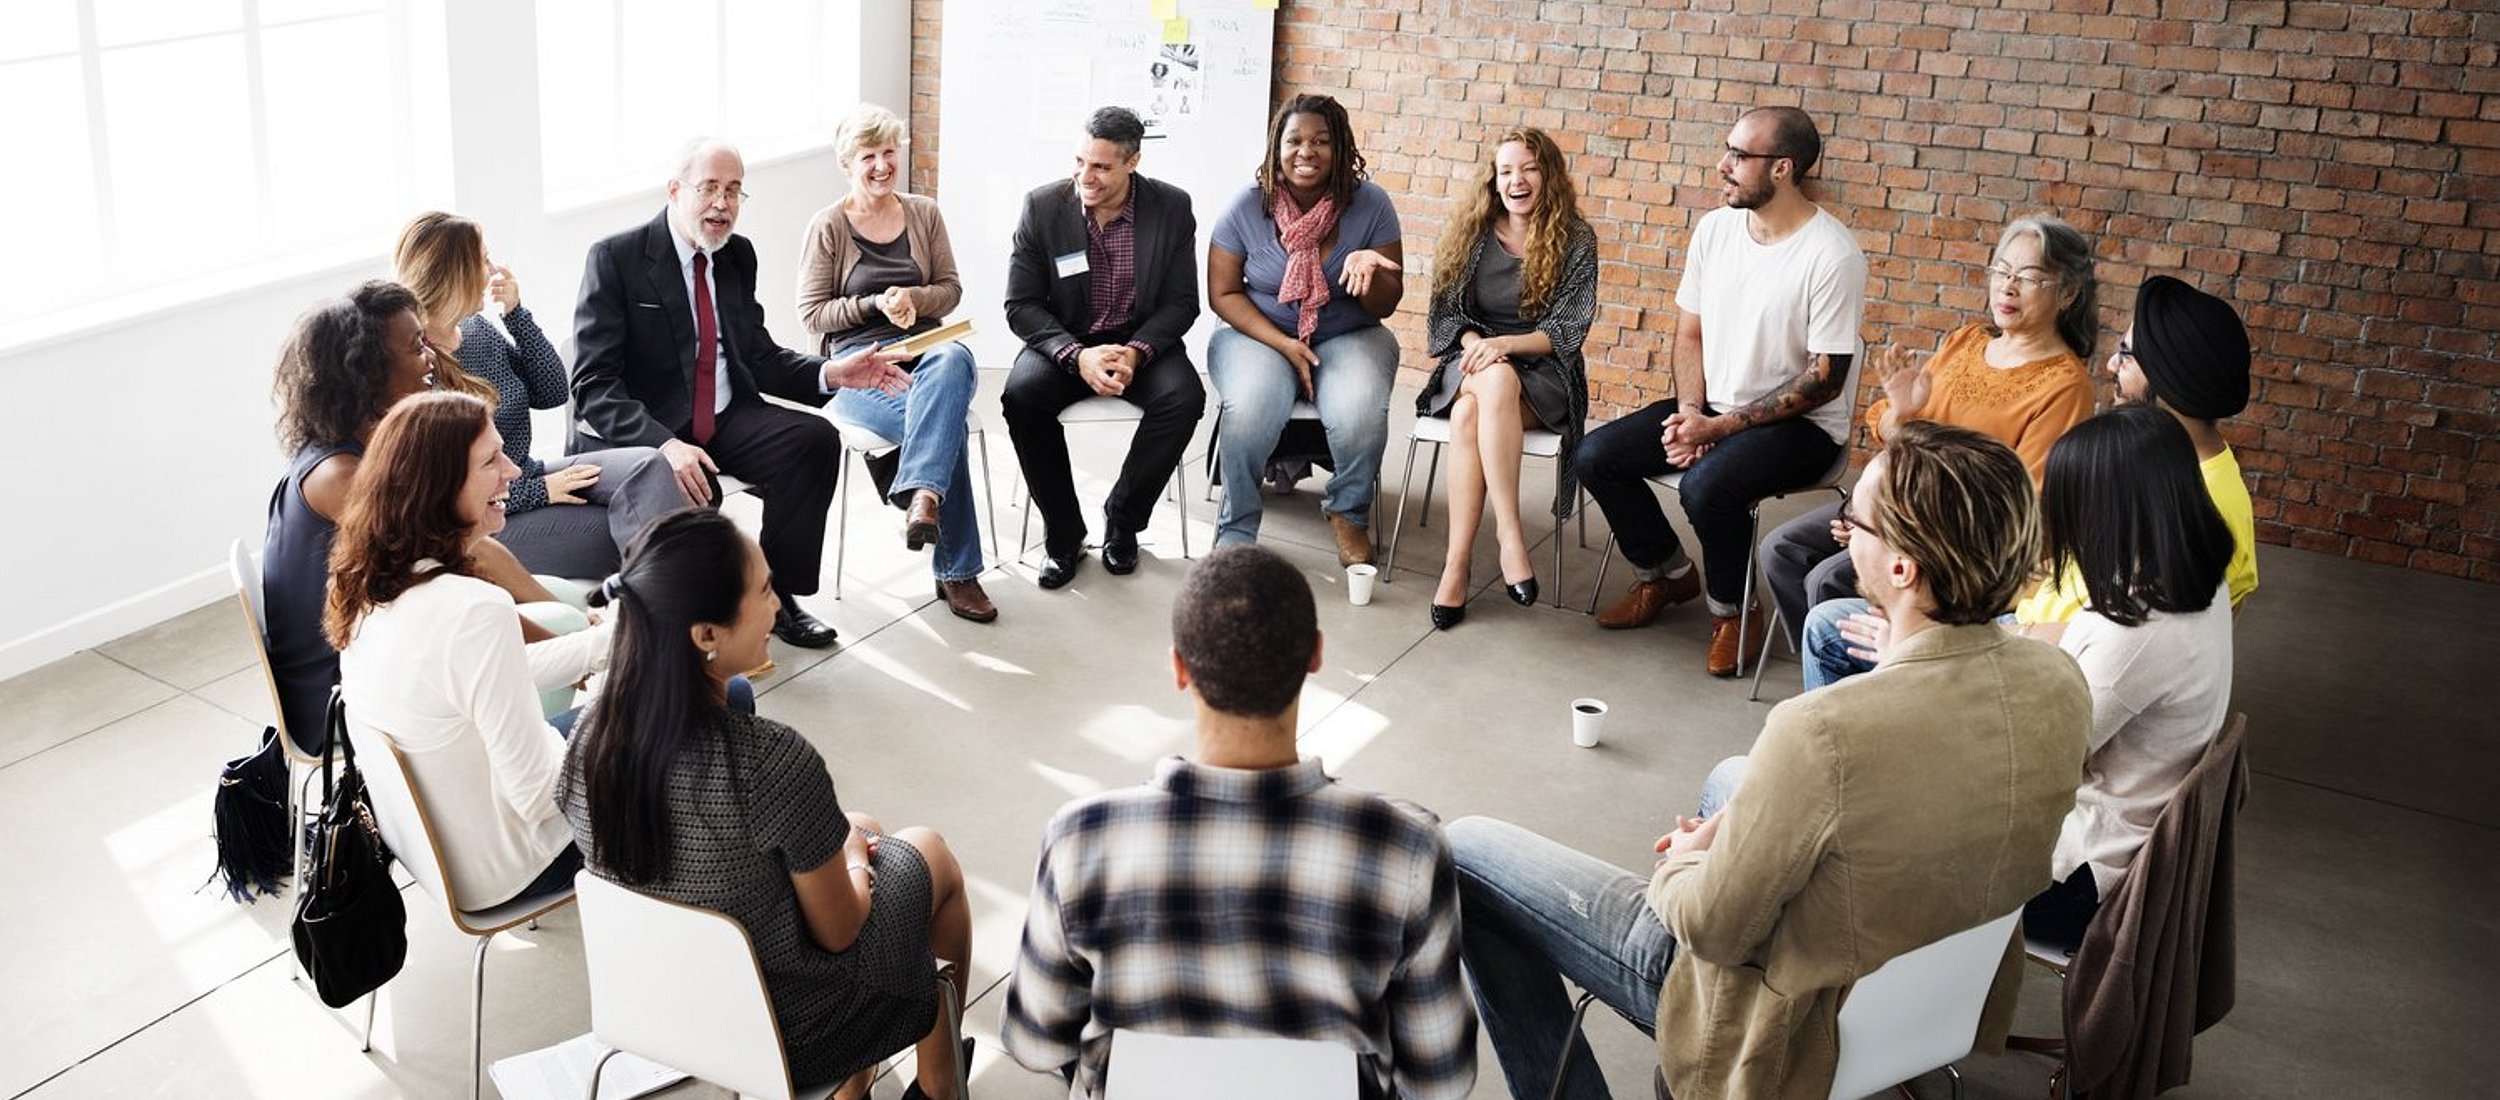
711,654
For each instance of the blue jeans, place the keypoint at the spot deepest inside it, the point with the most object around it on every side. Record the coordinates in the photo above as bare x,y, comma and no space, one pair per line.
928,420
1826,653
1533,912
1257,388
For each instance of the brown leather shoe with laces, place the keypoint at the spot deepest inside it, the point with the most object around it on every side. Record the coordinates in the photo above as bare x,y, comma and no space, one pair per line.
1725,660
1646,600
1354,541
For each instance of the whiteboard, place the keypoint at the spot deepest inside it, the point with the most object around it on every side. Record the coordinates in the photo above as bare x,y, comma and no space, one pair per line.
1018,79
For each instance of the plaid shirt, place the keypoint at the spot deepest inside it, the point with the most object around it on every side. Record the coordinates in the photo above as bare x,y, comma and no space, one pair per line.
1111,260
1221,902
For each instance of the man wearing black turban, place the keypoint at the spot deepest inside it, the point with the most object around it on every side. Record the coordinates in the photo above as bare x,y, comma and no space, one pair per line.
2188,354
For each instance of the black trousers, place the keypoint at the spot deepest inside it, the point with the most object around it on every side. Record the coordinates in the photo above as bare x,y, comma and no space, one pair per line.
793,458
1166,388
1718,493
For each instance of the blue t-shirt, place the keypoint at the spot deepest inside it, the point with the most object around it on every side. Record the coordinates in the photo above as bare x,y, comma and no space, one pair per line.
1248,232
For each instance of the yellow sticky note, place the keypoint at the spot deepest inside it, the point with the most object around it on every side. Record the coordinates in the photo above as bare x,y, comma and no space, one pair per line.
1263,5
1175,31
1166,10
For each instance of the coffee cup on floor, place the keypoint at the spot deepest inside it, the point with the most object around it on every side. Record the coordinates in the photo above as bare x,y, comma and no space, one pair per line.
1588,718
1358,583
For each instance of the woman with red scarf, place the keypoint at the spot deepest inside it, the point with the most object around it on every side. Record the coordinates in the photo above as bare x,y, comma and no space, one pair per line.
1303,267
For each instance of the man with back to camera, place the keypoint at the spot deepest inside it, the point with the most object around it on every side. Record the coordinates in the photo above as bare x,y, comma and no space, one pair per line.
670,351
1244,892
1102,285
1772,294
1871,818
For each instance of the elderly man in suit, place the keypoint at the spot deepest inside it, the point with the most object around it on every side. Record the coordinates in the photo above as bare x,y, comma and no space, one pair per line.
1101,288
670,351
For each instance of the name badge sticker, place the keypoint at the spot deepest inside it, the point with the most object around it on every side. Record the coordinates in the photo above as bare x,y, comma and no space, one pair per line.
1072,264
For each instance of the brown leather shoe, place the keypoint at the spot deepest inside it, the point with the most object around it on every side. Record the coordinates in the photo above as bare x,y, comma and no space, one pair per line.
1354,541
1725,660
966,599
1646,600
920,524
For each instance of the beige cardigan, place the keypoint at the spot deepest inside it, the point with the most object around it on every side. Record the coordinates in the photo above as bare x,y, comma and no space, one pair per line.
828,253
1879,815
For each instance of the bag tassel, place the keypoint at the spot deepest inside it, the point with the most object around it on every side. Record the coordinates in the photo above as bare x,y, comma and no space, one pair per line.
255,853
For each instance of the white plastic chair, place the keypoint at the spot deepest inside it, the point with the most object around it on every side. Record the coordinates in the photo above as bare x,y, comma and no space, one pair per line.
1919,1012
680,985
1111,410
858,440
1148,1066
399,812
246,575
1534,443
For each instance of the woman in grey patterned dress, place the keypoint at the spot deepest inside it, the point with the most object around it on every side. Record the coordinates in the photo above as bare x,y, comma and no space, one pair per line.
1514,285
672,793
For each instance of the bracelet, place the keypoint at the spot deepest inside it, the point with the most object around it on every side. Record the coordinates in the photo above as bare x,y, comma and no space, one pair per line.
859,865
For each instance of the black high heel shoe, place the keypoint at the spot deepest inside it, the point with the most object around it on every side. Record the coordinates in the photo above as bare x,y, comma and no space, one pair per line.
1522,593
1444,618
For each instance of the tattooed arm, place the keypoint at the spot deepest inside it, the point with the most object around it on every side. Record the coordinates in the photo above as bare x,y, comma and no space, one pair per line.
1820,382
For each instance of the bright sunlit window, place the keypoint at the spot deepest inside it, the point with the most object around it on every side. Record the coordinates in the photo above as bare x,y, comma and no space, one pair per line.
622,84
160,142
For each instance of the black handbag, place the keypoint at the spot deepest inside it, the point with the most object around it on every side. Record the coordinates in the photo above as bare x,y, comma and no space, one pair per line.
253,845
351,928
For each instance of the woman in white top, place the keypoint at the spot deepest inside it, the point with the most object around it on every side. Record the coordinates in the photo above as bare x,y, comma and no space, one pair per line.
2124,505
431,656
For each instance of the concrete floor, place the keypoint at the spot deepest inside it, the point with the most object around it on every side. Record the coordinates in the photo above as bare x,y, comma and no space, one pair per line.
2367,964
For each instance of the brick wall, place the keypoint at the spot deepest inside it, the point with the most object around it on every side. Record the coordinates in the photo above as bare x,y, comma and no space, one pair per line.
2333,169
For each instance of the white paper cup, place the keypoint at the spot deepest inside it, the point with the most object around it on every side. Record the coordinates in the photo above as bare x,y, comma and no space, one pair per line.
1358,583
1588,716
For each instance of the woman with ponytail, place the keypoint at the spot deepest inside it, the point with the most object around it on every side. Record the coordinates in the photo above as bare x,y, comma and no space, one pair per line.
671,791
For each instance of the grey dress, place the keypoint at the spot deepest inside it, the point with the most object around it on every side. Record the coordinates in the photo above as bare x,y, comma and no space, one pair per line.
1485,299
749,803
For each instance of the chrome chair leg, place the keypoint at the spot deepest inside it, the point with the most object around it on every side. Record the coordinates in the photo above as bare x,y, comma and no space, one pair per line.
477,1017
1562,1065
842,514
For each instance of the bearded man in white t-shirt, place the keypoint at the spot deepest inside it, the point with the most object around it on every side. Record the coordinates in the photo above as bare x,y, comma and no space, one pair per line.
1772,294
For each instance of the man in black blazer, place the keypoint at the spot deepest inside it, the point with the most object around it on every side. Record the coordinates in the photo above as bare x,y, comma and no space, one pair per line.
638,334
1102,286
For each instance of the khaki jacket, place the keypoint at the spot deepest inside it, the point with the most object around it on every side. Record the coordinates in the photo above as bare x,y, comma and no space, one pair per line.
1879,814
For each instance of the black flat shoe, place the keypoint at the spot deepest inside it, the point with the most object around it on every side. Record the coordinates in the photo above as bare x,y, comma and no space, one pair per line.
1444,618
1119,552
1522,593
801,629
1058,570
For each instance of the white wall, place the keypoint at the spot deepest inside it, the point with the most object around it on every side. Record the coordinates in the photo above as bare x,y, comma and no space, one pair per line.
140,450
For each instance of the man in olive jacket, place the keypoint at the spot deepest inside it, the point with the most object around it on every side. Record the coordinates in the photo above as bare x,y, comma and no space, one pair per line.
1872,817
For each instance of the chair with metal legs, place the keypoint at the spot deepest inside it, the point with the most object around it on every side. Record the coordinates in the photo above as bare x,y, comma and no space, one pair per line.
399,813
1435,430
858,440
1111,410
680,985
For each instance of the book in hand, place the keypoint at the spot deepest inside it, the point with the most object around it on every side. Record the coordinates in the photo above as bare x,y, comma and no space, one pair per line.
913,347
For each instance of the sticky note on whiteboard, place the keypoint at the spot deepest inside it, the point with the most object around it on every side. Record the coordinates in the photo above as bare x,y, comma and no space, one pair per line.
1175,31
1166,10
1263,5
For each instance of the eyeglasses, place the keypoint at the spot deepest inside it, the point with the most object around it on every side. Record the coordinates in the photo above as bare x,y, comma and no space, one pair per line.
2125,350
1851,523
711,189
1743,155
2026,283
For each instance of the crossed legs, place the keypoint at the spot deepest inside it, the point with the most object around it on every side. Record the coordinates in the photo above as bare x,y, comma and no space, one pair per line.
1487,419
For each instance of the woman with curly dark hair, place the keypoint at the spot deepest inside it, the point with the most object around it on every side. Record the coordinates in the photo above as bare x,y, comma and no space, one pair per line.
429,659
346,363
1302,269
1514,286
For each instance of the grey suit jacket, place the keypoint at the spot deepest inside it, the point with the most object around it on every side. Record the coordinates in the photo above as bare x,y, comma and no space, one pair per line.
1049,312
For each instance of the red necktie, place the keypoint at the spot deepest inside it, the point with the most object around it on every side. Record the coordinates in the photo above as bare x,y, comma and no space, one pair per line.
706,353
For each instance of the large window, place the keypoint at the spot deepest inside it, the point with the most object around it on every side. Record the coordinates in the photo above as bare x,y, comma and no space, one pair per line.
623,84
162,144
